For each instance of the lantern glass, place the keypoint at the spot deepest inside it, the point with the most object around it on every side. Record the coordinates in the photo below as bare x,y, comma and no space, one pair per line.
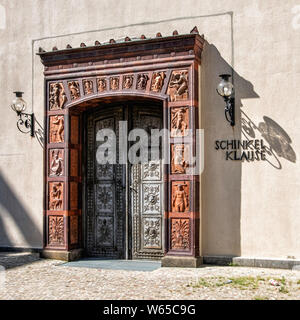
225,87
18,103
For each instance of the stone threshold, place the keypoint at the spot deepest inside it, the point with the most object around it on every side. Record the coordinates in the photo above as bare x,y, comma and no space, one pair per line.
275,263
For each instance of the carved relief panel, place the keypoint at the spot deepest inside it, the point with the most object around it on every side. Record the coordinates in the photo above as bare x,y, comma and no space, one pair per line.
180,196
114,83
57,129
142,80
128,81
180,234
56,230
57,96
179,121
74,90
179,85
56,162
157,81
179,158
56,193
101,84
88,87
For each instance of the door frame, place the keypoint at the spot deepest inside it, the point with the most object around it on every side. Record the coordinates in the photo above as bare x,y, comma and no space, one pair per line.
80,78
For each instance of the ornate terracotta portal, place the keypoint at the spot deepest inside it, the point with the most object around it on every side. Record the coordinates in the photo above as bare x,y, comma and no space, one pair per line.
76,80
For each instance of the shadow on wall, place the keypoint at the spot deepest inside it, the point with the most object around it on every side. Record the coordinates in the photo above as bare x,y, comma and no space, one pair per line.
221,179
10,203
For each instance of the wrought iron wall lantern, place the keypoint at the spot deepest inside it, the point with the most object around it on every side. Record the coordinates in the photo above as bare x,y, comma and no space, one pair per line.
225,89
25,123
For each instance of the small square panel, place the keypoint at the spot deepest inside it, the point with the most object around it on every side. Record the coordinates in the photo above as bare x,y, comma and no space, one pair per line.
151,198
152,233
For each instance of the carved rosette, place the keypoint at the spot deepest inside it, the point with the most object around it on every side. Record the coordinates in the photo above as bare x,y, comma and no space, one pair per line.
179,158
152,231
179,121
56,190
180,196
88,87
57,96
180,234
57,129
127,81
56,162
157,81
56,230
114,83
178,89
142,80
101,85
104,198
74,90
151,198
151,170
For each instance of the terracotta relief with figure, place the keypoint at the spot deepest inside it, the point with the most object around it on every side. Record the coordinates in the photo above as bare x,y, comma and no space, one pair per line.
179,121
56,160
179,158
179,84
88,87
55,195
157,81
57,127
57,96
74,90
180,196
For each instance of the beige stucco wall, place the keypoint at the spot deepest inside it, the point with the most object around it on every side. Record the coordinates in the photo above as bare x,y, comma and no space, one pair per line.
249,209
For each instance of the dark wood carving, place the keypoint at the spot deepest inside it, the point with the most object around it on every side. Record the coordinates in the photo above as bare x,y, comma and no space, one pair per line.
88,87
179,121
180,196
57,96
127,81
157,81
180,234
74,90
142,80
55,195
179,158
101,84
178,87
57,126
56,162
56,230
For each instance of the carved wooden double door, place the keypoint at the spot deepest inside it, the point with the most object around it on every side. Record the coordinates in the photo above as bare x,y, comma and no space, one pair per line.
124,202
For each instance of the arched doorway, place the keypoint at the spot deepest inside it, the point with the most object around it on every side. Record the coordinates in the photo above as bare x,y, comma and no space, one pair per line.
123,202
78,81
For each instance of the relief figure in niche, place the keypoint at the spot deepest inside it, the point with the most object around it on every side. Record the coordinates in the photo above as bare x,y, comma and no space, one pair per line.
127,82
157,81
179,163
178,88
101,84
179,122
88,86
180,201
56,165
114,83
74,90
142,81
57,129
57,96
56,196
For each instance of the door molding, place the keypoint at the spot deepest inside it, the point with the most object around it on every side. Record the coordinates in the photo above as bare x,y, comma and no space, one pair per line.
76,80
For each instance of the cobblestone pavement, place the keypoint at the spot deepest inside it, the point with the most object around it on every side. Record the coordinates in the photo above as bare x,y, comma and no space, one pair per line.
28,277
